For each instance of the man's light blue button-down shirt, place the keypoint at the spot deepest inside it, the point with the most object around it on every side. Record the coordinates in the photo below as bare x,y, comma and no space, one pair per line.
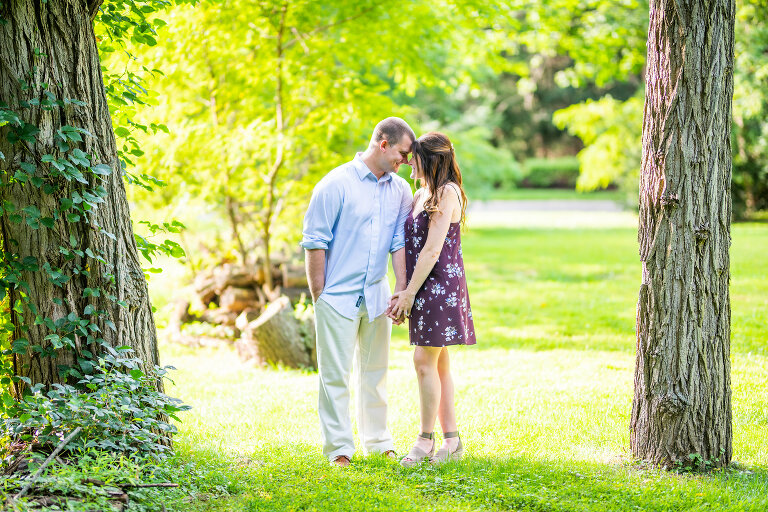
359,221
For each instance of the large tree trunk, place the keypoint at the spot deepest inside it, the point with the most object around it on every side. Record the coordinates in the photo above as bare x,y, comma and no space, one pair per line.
681,413
52,44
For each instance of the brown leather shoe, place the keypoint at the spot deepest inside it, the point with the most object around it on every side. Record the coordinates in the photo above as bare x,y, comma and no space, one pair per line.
342,461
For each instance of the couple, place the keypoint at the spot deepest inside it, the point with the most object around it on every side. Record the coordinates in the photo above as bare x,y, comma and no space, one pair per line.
360,213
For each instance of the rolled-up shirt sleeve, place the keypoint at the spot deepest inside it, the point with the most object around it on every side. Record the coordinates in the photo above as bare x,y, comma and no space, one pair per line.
398,240
321,216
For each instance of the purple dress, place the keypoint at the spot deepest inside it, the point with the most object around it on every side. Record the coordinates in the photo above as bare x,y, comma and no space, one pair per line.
441,314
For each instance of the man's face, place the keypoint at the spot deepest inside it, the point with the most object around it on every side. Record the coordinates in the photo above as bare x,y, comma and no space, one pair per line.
397,154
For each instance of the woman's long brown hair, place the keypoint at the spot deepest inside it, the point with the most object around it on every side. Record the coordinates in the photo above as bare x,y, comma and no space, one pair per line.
435,156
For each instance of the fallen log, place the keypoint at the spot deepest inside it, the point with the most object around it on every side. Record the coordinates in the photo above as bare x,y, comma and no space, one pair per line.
237,299
278,337
294,276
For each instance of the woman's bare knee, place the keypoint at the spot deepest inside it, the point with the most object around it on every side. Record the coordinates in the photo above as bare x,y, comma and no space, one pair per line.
425,360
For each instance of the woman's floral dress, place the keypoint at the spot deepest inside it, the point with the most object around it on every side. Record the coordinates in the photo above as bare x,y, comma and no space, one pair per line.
441,314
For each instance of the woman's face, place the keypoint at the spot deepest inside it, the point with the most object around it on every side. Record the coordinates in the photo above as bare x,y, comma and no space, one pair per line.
416,171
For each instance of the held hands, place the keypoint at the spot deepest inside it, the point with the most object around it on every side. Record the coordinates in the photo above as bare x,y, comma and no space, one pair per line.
400,305
396,320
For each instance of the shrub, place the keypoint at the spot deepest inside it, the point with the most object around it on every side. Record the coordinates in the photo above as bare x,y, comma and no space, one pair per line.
118,408
484,167
551,172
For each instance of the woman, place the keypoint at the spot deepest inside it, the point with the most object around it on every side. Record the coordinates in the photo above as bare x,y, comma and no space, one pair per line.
435,299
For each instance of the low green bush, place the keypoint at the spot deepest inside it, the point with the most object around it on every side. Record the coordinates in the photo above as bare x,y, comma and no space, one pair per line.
484,167
117,406
551,172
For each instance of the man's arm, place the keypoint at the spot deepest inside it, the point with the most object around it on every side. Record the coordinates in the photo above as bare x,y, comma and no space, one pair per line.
322,213
398,265
315,264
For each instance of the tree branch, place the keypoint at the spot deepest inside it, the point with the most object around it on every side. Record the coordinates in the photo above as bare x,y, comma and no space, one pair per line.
322,28
47,461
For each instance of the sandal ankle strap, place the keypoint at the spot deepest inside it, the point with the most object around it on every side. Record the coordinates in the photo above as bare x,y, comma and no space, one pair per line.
427,435
448,435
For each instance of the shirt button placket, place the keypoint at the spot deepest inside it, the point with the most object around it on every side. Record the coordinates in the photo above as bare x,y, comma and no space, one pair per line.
375,225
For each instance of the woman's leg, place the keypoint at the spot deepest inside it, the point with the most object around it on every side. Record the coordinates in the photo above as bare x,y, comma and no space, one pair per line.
425,363
446,412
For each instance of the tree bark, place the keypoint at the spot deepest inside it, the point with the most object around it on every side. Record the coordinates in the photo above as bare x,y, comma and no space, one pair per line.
53,43
681,412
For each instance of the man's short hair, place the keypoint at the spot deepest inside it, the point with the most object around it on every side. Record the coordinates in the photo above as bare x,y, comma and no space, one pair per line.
392,129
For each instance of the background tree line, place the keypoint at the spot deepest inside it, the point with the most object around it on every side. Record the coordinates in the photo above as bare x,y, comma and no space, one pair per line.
263,99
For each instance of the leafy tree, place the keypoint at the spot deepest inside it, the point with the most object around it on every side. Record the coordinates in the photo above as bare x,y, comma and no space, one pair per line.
261,96
750,109
609,156
267,97
610,130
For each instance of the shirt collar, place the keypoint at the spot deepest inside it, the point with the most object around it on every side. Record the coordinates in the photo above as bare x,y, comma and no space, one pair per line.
363,171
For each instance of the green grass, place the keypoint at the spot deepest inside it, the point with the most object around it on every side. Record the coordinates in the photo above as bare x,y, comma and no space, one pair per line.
543,400
543,194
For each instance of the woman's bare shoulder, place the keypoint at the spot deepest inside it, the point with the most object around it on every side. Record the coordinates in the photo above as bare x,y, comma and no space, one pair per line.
451,190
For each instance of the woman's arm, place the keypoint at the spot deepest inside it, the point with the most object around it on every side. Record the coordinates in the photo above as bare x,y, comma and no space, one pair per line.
439,224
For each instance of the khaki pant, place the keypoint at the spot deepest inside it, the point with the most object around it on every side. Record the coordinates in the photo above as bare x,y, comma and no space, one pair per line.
342,342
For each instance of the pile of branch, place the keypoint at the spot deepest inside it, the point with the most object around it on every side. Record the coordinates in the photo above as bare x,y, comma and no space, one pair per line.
242,310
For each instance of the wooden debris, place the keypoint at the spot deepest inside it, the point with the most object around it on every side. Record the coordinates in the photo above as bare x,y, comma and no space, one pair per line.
236,298
47,461
278,337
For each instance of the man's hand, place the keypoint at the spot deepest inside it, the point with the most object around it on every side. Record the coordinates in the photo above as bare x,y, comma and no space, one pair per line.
403,302
395,319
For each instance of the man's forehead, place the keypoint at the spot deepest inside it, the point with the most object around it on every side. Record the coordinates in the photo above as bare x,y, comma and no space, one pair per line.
405,144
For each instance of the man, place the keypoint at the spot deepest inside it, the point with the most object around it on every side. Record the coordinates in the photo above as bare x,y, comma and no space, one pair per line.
356,218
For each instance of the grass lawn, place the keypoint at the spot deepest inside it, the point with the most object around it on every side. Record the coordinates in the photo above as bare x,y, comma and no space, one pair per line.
523,194
543,400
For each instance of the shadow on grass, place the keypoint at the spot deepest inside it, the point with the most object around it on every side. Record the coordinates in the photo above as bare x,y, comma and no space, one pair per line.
297,478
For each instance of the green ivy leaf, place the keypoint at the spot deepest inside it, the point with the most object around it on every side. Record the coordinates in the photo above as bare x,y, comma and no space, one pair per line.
101,169
20,345
91,292
27,132
55,340
70,133
78,157
32,211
